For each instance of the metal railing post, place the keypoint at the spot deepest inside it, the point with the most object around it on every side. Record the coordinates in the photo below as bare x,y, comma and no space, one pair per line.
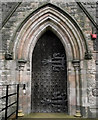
6,101
7,104
17,101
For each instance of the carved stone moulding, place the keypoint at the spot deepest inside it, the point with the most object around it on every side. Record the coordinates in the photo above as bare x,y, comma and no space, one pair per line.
76,63
21,63
8,56
88,55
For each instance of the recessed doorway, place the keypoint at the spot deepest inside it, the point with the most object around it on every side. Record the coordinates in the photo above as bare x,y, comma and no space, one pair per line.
49,75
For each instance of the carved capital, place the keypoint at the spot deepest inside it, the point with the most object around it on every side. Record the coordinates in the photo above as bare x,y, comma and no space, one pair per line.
76,63
88,55
8,56
21,64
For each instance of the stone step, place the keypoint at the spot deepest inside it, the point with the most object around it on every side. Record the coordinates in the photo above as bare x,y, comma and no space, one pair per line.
46,116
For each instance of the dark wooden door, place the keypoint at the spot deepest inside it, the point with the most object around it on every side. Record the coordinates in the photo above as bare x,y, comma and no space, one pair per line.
49,75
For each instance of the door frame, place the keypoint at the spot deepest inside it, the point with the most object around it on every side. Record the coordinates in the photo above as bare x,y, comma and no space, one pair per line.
68,31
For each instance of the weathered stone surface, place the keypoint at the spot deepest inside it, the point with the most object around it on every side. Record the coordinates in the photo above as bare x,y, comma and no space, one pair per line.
20,44
7,8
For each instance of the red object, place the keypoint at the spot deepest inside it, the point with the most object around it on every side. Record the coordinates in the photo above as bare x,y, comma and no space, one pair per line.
93,36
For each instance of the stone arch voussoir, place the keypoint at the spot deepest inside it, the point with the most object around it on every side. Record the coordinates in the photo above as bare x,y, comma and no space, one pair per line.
47,17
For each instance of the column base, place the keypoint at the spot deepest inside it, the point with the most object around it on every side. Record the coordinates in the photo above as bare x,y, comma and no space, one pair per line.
78,114
20,114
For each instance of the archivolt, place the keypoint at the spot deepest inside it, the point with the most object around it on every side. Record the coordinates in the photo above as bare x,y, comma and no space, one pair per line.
60,22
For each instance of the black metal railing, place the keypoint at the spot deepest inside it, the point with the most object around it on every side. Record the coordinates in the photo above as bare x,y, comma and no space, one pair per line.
7,105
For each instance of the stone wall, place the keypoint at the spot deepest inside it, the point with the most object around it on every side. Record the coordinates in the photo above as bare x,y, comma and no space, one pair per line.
27,7
9,68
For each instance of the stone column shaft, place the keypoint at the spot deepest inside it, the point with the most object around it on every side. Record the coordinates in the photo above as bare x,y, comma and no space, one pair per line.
77,87
76,64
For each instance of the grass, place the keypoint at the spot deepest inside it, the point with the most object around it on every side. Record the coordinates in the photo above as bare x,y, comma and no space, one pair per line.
51,116
48,115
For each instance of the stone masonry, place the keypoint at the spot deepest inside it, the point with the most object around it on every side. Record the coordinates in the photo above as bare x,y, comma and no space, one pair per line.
15,49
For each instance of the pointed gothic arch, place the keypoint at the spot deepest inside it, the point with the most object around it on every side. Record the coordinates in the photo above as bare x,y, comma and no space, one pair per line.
51,17
55,18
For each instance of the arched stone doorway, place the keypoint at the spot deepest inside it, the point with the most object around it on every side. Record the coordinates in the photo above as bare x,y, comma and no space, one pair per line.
49,75
50,17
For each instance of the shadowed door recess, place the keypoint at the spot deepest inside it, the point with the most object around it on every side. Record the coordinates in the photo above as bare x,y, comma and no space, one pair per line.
49,75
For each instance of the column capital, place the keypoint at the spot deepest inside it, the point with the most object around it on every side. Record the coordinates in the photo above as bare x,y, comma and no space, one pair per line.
21,64
76,63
